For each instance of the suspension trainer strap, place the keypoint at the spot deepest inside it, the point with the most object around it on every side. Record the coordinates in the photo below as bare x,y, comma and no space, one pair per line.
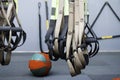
8,30
66,37
69,39
76,62
62,37
8,55
49,35
22,36
59,25
92,42
81,31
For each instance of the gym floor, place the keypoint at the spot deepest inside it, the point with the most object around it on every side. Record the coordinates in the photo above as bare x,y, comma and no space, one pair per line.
104,66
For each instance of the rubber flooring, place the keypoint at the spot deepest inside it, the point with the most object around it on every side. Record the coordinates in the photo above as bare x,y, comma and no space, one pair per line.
103,66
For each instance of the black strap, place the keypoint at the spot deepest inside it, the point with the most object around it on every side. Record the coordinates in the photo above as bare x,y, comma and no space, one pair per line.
62,38
6,57
49,40
40,31
46,6
92,42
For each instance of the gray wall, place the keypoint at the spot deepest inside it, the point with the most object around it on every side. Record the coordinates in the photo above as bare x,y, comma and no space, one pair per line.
106,25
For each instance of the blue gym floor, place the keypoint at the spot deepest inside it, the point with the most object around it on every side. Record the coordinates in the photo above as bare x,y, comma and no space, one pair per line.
104,66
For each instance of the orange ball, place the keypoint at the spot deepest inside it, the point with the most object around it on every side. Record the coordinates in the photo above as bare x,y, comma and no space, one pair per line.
40,64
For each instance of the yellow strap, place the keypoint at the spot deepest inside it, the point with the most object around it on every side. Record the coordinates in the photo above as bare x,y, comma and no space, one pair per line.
85,6
47,24
106,37
47,21
16,1
66,7
57,7
53,11
86,9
